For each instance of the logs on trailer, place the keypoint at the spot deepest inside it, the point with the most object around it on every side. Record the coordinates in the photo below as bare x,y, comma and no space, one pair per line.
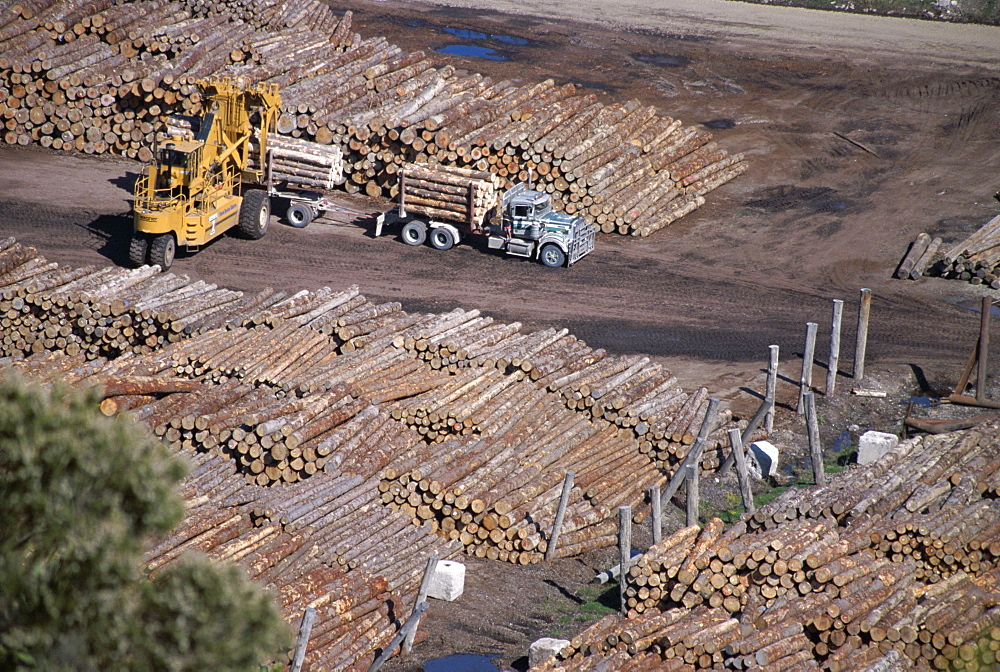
106,77
975,259
897,562
315,415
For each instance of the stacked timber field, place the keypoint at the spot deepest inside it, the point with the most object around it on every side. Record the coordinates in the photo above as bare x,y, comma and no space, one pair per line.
101,76
337,442
892,567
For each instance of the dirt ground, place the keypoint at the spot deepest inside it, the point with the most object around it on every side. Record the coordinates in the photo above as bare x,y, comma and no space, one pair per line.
816,218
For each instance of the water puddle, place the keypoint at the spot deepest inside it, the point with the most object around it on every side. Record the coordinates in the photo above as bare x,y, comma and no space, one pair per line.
922,401
977,307
842,442
719,124
473,51
461,662
663,60
476,35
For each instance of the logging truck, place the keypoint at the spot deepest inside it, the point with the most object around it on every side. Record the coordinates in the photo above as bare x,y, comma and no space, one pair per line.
208,175
443,205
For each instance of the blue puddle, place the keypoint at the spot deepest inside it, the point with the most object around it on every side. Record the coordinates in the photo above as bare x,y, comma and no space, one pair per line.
473,51
842,441
477,51
922,402
461,662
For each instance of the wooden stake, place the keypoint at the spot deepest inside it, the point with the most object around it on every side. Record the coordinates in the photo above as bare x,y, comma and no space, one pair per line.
302,641
624,550
408,627
808,355
815,450
425,585
864,311
560,513
736,441
984,348
657,514
834,363
772,383
693,495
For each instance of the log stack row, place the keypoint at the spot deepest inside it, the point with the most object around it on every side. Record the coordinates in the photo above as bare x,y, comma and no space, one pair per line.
975,259
130,66
893,566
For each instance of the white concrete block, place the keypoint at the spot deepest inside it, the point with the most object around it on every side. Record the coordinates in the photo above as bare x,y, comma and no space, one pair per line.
873,445
448,581
545,648
763,459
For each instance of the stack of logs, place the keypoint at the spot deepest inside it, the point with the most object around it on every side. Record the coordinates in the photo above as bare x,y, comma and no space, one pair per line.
450,193
976,259
103,77
895,563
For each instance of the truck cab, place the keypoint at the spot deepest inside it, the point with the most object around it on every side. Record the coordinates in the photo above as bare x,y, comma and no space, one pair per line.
530,227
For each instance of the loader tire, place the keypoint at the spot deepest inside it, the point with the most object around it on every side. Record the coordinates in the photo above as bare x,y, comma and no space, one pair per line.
162,251
138,250
255,214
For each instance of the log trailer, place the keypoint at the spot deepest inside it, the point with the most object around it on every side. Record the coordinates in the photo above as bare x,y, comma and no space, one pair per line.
208,177
443,205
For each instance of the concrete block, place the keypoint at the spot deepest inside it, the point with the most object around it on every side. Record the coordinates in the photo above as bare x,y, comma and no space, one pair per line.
448,581
763,459
545,648
873,445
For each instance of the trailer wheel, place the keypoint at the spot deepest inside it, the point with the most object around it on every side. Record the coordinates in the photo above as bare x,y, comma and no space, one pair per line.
299,215
162,251
255,213
552,256
138,250
442,239
414,233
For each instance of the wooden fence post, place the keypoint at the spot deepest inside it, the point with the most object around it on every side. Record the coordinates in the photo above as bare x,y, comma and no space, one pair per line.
707,425
625,550
808,355
742,477
560,514
864,312
657,514
834,363
425,585
302,641
758,417
408,627
984,348
693,495
772,383
815,450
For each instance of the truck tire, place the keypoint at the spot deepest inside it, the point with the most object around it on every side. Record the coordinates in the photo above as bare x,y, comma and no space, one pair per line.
552,256
138,250
442,239
414,233
299,215
255,213
162,251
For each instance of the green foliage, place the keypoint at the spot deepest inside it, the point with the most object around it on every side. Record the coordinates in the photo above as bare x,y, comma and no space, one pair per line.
79,494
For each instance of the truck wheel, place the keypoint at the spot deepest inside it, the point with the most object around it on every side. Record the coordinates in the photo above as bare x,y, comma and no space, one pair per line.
552,256
299,215
138,250
255,213
442,239
414,233
162,251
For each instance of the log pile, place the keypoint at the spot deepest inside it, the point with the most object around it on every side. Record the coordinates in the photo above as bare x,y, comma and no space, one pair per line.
892,566
104,77
450,193
975,259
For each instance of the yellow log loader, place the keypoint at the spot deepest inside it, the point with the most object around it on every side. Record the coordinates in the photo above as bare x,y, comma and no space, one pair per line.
202,182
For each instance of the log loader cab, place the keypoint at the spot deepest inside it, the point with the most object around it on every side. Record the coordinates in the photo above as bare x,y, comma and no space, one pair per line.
201,183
